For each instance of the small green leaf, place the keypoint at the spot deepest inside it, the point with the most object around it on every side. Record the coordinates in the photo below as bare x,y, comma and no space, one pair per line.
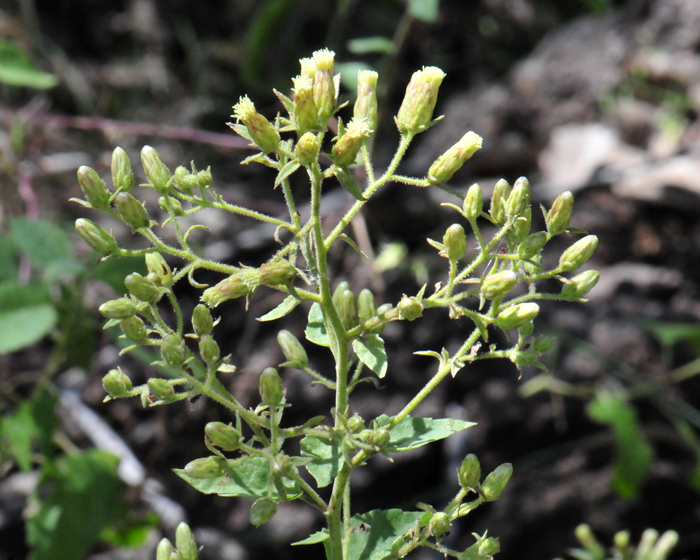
287,169
371,352
369,45
327,459
634,453
349,241
416,432
33,422
424,10
8,260
42,242
385,526
316,328
17,70
284,308
23,327
669,334
78,496
315,538
249,479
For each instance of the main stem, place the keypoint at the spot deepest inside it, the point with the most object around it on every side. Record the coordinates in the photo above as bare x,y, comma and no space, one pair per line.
340,348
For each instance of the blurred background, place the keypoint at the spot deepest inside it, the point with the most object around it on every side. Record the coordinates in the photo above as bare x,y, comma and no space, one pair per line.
600,97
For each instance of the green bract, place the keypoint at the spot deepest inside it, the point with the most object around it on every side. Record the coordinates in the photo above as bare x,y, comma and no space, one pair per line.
271,460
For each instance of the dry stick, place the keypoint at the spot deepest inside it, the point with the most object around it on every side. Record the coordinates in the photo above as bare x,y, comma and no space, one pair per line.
128,128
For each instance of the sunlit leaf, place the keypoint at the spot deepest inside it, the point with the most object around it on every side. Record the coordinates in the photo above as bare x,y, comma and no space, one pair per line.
23,327
289,303
370,351
416,432
316,328
327,459
17,70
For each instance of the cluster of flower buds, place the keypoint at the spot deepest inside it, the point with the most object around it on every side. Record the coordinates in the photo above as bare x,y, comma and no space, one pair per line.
185,543
469,475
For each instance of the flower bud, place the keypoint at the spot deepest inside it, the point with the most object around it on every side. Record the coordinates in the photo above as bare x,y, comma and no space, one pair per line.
578,253
581,284
444,167
209,349
305,113
271,387
121,308
184,540
455,241
526,329
223,435
282,466
184,180
160,388
380,311
164,550
366,102
347,181
157,173
519,198
416,110
93,187
380,438
207,467
116,383
155,263
261,131
532,245
308,68
132,211
365,306
470,472
348,145
95,236
621,539
496,481
489,546
560,213
241,283
517,315
142,288
588,540
346,306
277,273
340,288
204,178
173,350
501,193
201,320
262,511
542,345
473,202
355,424
292,349
134,329
410,308
307,148
498,284
439,524
324,86
665,545
175,206
521,225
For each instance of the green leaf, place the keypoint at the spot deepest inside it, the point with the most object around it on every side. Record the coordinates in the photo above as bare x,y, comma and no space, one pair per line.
33,422
42,242
327,459
634,453
284,308
114,270
374,543
249,479
14,295
424,10
669,334
316,328
369,45
416,432
77,498
349,241
371,352
23,327
17,70
8,260
385,526
287,169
